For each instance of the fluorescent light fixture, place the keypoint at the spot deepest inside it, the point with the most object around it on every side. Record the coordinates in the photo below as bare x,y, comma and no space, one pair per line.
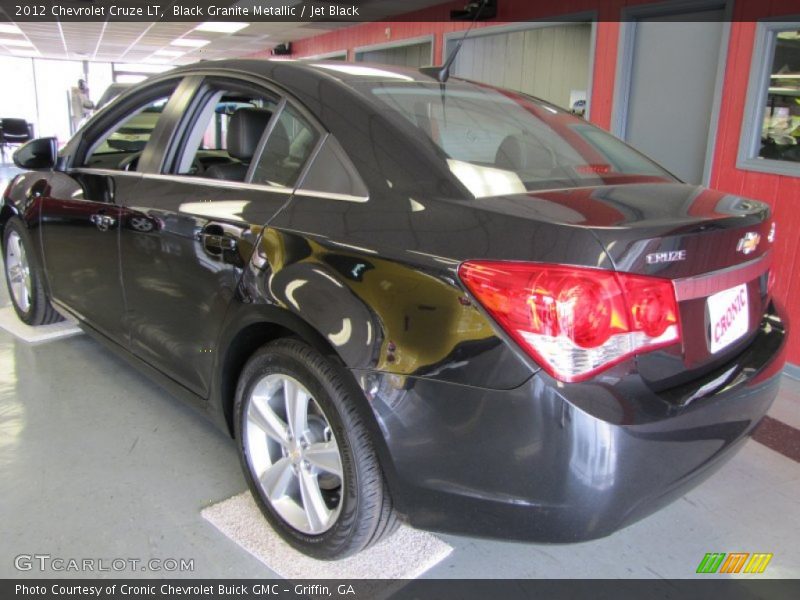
190,42
140,68
13,42
130,78
221,26
9,28
168,53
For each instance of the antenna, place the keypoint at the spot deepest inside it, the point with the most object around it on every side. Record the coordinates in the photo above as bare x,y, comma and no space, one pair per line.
442,74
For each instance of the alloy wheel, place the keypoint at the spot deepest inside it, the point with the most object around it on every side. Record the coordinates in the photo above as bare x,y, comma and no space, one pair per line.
18,271
293,454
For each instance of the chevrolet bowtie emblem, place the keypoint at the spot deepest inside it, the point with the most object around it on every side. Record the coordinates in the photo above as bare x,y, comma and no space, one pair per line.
748,243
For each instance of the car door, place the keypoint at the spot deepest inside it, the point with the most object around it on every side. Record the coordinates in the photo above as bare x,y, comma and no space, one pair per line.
82,208
194,222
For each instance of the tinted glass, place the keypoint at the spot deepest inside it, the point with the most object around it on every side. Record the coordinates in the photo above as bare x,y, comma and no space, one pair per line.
224,138
332,172
129,136
499,142
287,149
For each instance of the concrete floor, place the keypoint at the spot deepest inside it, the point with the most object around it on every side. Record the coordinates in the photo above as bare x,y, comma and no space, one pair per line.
98,462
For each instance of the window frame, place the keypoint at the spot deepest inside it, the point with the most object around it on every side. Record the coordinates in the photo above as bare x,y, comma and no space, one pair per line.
128,104
322,134
206,89
173,152
747,158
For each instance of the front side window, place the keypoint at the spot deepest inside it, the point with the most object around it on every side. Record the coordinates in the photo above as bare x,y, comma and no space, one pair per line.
771,129
498,142
119,147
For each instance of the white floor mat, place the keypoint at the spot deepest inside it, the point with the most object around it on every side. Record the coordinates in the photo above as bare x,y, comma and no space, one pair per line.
43,333
405,555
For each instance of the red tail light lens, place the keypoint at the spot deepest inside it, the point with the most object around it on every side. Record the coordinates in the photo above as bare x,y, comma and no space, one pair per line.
575,321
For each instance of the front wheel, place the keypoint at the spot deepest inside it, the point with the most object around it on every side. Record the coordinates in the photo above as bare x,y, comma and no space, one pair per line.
307,455
25,278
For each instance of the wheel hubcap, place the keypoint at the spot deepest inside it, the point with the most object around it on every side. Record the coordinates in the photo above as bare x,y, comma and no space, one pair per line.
293,454
18,272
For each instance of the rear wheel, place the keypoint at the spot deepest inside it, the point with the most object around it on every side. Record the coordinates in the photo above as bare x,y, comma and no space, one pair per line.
25,278
307,455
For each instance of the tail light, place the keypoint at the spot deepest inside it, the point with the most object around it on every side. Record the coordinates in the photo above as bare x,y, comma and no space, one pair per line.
575,322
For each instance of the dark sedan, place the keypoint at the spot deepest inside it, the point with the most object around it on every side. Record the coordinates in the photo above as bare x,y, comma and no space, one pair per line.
441,303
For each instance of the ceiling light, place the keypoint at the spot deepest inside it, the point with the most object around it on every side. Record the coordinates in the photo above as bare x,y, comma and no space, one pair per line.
221,26
11,42
189,42
9,28
168,53
140,68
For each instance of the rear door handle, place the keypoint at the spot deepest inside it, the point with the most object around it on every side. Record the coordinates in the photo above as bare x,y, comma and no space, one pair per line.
103,222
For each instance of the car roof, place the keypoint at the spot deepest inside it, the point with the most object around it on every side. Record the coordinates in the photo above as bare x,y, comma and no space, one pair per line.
282,70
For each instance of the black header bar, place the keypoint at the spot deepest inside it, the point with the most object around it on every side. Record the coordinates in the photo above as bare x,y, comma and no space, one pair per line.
354,11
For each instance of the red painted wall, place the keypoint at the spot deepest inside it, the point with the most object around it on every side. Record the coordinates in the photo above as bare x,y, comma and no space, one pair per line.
782,193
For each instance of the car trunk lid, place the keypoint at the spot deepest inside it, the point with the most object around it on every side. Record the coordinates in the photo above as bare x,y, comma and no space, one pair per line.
715,247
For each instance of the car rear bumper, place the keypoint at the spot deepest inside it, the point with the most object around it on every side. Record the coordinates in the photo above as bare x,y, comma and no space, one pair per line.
564,463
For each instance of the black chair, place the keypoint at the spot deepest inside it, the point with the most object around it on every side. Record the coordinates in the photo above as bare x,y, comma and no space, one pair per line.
13,132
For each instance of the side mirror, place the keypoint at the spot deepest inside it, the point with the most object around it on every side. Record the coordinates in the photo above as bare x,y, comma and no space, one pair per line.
41,153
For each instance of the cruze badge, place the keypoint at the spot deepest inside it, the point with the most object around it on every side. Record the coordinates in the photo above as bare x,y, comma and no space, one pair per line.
664,257
748,243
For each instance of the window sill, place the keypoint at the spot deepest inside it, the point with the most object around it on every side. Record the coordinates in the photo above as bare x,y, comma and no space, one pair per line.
771,166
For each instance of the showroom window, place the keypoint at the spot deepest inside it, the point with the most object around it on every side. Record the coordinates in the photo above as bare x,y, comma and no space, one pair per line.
771,131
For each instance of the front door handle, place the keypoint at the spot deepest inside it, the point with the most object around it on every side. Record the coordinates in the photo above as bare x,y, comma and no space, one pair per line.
103,222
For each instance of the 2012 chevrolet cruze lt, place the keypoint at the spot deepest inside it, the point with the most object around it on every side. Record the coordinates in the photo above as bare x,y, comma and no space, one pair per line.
443,303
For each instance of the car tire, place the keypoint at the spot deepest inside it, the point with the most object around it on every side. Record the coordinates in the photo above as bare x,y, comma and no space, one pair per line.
284,470
25,277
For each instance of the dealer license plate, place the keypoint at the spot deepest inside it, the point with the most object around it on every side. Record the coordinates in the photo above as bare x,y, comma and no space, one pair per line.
728,317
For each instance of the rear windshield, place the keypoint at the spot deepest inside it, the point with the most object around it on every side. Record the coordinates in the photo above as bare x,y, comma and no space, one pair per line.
498,142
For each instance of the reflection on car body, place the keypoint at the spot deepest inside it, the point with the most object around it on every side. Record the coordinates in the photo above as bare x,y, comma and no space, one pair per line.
406,299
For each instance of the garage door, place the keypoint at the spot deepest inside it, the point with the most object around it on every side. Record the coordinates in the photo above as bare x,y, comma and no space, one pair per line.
548,62
669,57
413,55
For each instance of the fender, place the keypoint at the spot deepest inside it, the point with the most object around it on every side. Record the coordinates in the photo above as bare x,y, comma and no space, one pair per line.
248,327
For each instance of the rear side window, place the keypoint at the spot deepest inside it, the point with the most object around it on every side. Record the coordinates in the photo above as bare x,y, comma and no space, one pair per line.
288,147
331,172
